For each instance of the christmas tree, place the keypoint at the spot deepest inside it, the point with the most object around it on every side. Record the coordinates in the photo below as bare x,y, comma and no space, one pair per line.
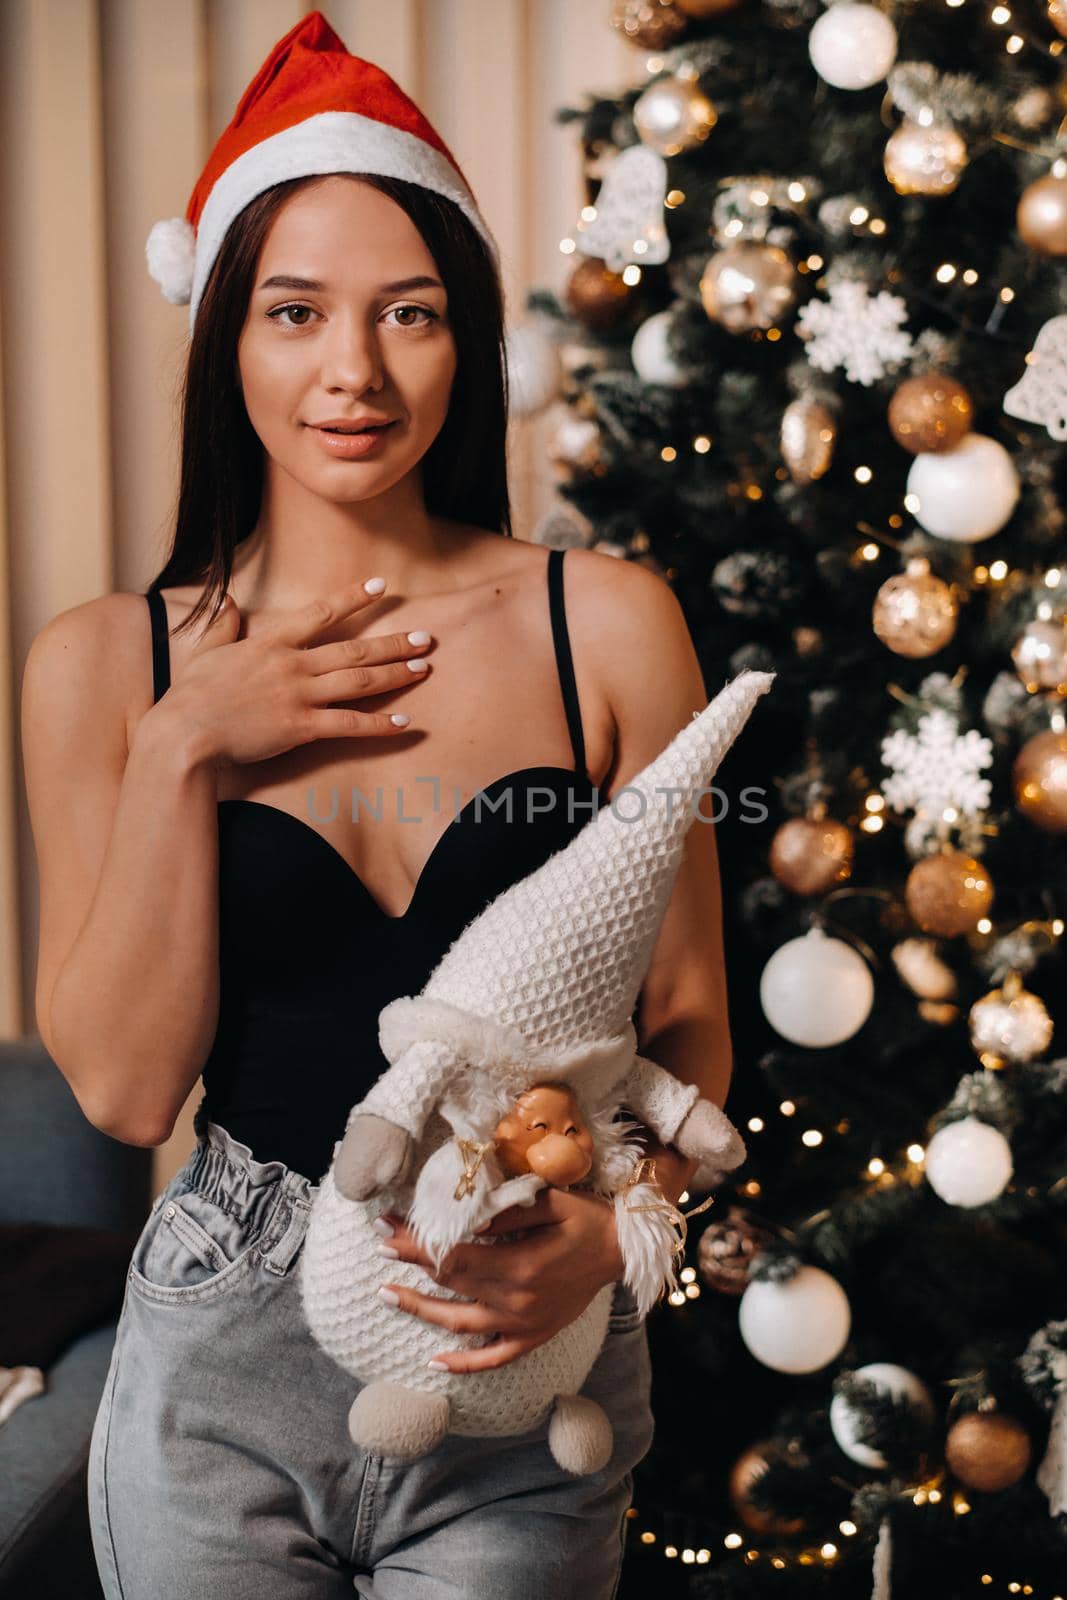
810,365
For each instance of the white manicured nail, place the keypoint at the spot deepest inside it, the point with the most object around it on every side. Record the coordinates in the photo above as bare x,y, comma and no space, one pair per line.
420,636
374,585
418,665
400,718
390,1297
387,1250
439,1366
381,1226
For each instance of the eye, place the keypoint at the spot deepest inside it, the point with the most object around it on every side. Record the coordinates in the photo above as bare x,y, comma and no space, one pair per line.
279,313
572,1129
423,311
276,315
532,1125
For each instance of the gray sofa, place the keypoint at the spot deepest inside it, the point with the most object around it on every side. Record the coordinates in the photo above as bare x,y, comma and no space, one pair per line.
55,1167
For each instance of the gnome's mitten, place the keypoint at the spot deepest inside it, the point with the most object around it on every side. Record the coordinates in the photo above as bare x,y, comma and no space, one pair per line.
374,1153
708,1137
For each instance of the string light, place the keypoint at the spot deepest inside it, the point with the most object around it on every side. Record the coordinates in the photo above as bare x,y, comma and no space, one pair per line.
755,1124
863,474
787,1108
811,1137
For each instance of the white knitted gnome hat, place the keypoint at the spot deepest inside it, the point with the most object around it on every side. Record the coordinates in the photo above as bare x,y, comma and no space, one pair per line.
549,973
312,108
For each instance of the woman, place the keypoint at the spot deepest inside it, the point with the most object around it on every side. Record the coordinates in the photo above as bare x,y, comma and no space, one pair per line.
211,906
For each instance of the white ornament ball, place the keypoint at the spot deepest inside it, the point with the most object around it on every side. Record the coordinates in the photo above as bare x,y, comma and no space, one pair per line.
852,46
968,1163
816,991
796,1326
888,1379
650,355
535,369
964,494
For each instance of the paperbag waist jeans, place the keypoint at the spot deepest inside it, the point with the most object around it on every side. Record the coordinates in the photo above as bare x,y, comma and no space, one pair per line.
221,1467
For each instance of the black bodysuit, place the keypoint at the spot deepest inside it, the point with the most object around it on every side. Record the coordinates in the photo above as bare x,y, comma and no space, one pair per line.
307,956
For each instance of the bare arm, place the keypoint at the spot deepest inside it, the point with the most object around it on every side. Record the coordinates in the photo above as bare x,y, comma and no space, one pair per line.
127,848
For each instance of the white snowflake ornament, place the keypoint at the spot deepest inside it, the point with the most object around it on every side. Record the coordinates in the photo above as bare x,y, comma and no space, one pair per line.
936,769
855,330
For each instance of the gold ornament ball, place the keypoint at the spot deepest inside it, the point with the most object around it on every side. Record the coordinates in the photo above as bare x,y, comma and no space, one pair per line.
1041,217
810,856
927,161
987,1451
947,893
598,297
1040,656
808,435
706,8
1057,15
750,1465
748,285
929,413
674,115
915,613
1040,779
649,24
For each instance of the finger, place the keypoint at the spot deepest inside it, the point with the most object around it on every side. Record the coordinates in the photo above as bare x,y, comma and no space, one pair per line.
461,1316
357,683
496,1354
306,622
368,651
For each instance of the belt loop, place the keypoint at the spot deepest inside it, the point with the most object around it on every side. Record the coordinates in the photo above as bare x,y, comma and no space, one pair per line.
293,1216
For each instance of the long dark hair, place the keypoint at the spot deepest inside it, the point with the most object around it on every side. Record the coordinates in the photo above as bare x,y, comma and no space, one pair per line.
464,472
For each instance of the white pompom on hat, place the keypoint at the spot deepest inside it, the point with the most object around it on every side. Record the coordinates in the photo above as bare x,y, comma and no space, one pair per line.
312,108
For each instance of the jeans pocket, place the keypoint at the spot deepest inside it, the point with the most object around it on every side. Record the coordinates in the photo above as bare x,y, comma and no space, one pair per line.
193,1249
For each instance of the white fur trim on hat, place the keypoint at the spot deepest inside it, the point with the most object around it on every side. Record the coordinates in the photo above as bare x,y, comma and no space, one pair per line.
333,141
170,251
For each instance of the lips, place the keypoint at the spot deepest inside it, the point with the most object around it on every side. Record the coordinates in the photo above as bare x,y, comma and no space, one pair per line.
370,428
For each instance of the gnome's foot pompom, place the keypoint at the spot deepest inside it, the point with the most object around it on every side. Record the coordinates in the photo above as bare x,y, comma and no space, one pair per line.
580,1435
394,1421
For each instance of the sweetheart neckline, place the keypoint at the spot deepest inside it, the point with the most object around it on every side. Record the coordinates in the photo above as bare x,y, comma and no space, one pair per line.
519,772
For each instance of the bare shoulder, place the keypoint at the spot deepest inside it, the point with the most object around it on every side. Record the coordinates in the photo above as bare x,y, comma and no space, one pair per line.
90,660
633,630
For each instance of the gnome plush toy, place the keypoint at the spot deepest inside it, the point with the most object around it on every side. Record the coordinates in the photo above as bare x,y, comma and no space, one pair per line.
539,989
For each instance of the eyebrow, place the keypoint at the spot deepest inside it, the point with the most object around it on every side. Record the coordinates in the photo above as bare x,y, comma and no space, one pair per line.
313,286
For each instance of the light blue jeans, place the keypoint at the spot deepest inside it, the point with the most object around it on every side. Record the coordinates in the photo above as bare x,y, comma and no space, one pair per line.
221,1467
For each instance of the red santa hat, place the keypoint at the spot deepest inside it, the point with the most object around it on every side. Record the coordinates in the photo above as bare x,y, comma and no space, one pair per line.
311,108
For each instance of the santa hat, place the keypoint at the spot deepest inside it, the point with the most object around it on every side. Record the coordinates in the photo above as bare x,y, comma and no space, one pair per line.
311,108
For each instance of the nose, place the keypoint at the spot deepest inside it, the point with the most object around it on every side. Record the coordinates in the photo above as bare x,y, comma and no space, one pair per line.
352,358
558,1160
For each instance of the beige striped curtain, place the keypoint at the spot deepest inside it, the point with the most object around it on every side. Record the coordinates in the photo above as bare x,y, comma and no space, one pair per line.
108,109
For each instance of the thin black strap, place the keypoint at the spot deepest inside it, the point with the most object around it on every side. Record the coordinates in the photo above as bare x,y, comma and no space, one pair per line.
160,644
563,657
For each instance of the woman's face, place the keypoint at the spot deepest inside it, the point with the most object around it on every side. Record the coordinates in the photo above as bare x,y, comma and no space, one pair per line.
352,347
